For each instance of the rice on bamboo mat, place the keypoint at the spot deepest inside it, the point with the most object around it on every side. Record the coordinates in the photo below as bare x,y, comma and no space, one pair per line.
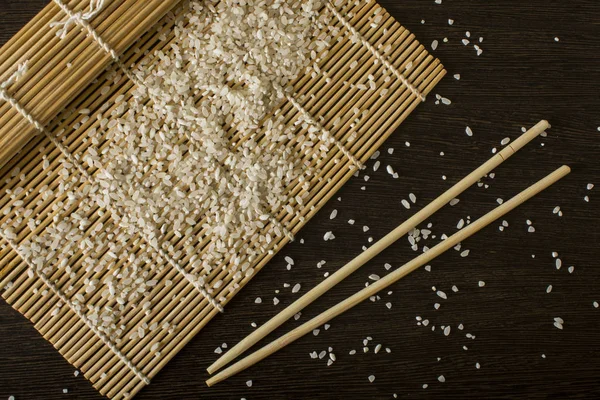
163,164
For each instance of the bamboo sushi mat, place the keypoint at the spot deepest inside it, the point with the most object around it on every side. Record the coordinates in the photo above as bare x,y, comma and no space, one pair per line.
119,271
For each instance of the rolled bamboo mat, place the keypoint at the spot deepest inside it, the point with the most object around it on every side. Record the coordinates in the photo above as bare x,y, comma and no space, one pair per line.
59,69
120,344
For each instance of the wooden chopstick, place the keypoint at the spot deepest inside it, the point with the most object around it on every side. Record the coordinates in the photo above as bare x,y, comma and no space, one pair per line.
378,247
392,277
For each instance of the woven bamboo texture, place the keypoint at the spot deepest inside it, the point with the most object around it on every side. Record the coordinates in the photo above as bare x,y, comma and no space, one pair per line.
51,86
58,301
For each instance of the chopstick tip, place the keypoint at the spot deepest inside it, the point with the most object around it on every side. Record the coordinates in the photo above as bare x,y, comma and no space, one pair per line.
217,365
211,381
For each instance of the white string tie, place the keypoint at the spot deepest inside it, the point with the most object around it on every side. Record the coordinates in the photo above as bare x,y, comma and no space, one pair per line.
95,7
15,76
375,52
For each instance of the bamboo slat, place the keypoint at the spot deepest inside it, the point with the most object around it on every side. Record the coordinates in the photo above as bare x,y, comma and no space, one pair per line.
59,69
116,359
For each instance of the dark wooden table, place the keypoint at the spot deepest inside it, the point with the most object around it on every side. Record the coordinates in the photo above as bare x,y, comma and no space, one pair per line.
522,76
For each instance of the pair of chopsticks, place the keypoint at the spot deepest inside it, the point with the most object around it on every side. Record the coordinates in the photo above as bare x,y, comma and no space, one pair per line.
374,250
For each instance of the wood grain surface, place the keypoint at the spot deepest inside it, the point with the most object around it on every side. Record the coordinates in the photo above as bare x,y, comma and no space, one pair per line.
523,75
